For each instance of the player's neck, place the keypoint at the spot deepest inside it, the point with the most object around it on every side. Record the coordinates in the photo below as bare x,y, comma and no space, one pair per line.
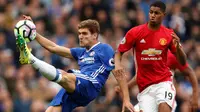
153,26
92,45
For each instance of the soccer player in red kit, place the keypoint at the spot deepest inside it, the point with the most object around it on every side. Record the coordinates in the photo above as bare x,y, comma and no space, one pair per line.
150,43
173,64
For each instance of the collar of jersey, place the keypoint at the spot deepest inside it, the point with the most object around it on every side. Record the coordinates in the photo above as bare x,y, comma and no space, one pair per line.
93,46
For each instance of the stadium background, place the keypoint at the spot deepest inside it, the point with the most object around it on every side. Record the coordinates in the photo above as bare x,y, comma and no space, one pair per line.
24,90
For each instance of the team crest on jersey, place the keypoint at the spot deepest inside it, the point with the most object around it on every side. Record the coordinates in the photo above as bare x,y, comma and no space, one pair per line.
111,62
163,41
92,53
123,41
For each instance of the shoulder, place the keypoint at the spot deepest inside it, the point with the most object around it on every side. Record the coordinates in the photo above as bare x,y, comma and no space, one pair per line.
138,28
79,49
137,31
168,30
77,52
105,46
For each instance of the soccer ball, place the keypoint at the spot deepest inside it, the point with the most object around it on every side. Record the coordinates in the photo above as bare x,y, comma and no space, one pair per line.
26,29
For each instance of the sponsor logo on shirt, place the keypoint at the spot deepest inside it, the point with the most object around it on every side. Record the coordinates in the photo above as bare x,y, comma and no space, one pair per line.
163,41
151,58
151,52
87,60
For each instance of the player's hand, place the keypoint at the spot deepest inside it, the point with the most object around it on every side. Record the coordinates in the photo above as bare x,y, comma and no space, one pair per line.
194,103
127,107
27,18
176,40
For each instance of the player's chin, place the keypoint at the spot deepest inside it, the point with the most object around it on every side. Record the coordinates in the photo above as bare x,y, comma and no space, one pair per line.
153,22
81,45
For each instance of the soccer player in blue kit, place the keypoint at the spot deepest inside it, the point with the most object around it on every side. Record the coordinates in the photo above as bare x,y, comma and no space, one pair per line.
80,87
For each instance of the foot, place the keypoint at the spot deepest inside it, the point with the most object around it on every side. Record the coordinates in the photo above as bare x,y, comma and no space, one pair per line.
24,50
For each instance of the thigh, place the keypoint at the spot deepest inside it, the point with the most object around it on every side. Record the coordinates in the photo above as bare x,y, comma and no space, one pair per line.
62,100
85,92
147,103
68,81
164,107
165,96
54,109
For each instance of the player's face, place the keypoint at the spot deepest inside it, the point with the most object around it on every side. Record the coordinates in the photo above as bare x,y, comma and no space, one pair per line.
86,38
156,15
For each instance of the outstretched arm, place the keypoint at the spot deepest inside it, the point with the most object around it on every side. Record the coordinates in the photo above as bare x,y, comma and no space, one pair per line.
51,46
193,79
119,74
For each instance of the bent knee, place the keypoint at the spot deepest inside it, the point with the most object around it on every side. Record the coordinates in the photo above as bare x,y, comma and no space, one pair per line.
68,81
67,77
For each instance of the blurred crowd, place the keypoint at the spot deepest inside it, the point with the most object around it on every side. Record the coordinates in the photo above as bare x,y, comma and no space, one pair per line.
22,89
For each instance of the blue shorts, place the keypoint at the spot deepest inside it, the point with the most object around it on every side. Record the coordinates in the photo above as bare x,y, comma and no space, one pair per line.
84,93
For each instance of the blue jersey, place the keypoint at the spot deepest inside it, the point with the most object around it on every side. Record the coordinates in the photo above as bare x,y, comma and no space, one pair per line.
95,64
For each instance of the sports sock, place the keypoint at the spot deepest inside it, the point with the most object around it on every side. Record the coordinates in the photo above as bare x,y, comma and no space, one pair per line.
47,70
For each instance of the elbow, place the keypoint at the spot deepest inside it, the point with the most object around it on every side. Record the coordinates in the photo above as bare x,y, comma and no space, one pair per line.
188,72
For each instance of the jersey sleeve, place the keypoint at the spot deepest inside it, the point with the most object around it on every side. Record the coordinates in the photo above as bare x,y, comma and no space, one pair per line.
174,64
182,67
106,56
128,41
76,52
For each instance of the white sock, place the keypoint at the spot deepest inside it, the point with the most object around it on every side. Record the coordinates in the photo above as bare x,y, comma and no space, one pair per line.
47,70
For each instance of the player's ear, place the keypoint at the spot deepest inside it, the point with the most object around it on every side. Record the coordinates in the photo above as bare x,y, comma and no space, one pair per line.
95,35
164,13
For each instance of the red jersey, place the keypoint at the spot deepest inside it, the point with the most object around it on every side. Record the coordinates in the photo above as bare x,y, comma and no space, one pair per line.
150,53
173,64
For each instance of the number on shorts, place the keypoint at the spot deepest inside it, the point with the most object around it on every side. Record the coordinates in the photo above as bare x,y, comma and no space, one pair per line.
168,95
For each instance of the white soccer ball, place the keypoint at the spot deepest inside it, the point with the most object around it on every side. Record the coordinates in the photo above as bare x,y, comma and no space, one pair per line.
26,29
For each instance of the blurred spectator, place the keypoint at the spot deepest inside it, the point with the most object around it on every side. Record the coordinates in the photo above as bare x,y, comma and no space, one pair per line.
38,106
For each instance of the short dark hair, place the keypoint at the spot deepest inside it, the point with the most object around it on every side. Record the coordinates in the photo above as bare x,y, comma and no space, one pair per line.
92,25
159,4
